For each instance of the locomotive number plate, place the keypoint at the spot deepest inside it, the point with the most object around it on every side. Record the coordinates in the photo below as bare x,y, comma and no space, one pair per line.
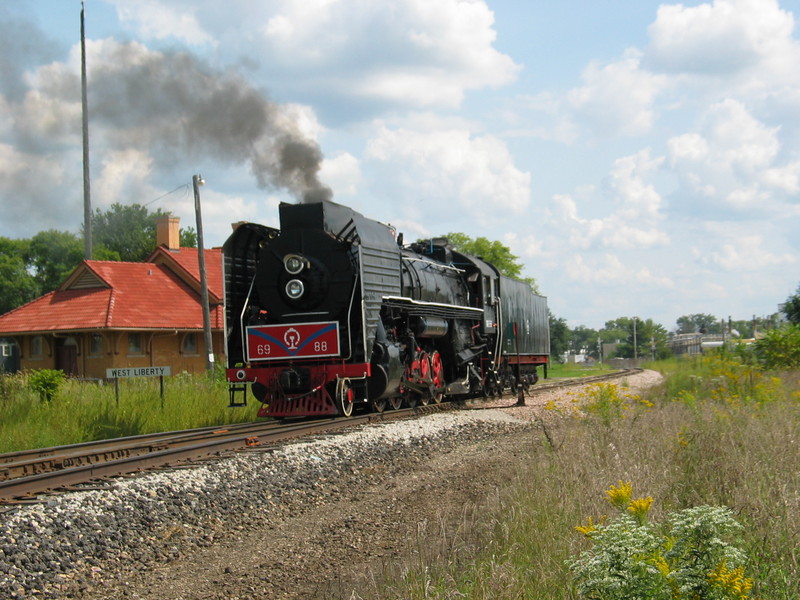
302,340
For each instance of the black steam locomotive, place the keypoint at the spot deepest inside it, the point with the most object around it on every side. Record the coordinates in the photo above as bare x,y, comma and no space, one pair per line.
331,312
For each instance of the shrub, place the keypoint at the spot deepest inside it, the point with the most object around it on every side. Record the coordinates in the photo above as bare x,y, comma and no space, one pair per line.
779,348
45,382
689,557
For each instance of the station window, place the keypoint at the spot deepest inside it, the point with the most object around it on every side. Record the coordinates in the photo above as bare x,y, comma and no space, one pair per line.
96,345
37,346
189,344
135,343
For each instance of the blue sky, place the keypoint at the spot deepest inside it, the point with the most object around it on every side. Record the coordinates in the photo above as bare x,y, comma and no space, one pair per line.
641,158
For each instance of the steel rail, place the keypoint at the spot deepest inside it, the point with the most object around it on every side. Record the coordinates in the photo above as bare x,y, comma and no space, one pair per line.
26,488
43,460
25,474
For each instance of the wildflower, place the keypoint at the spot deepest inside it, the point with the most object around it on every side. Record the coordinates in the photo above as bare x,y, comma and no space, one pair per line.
620,496
733,583
587,529
660,563
551,405
639,508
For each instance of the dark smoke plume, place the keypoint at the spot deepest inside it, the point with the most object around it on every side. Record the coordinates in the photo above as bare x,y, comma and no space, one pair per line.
180,106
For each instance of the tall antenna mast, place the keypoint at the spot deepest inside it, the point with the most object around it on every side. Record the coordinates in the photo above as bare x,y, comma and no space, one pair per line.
87,194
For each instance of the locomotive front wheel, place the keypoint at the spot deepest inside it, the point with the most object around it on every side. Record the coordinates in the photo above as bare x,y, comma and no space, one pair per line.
379,405
344,397
411,400
396,402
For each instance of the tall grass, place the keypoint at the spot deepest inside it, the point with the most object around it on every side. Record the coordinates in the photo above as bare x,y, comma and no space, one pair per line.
83,411
717,433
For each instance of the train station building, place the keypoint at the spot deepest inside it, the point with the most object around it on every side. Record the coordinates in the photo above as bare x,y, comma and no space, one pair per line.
110,314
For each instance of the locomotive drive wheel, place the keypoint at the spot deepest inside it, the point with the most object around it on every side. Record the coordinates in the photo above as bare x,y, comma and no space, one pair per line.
437,377
344,397
396,402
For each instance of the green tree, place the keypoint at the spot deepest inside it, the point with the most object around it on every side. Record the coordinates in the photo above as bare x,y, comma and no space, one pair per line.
584,338
559,336
699,323
129,232
52,255
17,285
791,308
647,339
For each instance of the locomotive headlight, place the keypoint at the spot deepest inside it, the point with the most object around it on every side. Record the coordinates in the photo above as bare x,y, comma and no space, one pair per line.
295,289
294,263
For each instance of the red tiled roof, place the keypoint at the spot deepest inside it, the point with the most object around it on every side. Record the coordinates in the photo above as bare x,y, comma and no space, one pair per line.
185,259
119,295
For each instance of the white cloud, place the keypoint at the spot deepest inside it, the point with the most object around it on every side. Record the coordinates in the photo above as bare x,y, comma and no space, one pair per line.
608,270
408,52
156,20
634,224
454,167
747,254
342,173
124,175
733,160
616,98
721,38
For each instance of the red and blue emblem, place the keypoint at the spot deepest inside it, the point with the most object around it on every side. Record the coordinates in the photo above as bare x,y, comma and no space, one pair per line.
300,340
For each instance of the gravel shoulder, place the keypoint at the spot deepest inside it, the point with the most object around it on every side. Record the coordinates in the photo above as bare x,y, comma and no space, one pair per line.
314,519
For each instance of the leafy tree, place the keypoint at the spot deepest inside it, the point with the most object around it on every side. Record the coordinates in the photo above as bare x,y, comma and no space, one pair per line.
52,255
17,285
584,338
188,237
699,323
791,307
493,252
651,339
129,232
780,348
559,336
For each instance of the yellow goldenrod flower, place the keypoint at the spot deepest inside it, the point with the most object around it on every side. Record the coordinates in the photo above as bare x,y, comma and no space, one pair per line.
662,565
639,508
620,496
732,582
586,529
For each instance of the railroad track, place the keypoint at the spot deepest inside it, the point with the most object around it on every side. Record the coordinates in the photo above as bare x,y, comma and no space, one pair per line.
26,474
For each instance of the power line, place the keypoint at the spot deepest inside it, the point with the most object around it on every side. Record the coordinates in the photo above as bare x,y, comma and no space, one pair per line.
184,186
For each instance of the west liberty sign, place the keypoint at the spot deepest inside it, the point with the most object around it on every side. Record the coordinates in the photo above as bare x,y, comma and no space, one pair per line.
139,372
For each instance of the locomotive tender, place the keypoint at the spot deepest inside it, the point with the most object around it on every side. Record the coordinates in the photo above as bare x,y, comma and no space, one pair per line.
331,312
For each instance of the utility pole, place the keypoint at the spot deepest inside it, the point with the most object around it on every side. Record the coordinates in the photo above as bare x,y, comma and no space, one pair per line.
635,349
87,194
197,181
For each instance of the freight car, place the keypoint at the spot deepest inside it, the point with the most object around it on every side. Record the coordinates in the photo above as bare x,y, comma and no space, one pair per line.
331,312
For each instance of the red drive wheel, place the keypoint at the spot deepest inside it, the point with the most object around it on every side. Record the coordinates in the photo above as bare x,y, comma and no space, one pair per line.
437,376
424,375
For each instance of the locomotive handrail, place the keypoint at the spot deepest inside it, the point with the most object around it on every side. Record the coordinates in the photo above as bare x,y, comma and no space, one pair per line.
242,328
435,264
422,304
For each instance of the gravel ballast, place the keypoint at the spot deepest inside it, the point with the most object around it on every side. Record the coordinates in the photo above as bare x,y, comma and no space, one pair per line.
74,543
54,549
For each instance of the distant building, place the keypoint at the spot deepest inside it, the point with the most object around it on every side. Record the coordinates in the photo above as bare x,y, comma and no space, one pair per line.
110,314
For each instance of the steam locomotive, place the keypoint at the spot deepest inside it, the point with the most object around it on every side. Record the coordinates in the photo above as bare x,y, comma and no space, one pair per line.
331,312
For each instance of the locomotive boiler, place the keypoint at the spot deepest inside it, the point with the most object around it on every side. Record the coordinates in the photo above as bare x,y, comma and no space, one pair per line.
331,312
